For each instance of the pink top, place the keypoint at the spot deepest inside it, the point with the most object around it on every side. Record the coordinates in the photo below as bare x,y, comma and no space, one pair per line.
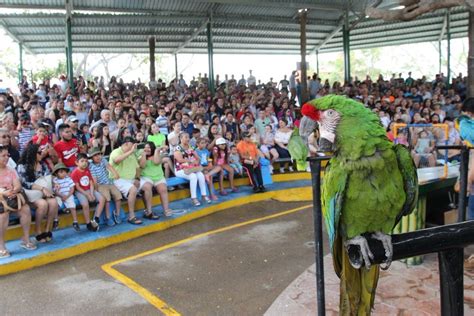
7,176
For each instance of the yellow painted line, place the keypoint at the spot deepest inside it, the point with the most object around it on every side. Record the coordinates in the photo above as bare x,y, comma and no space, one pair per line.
152,298
54,256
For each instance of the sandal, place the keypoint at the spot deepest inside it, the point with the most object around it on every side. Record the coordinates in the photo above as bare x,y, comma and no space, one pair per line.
42,238
134,221
4,254
168,212
116,218
150,215
196,202
208,200
28,245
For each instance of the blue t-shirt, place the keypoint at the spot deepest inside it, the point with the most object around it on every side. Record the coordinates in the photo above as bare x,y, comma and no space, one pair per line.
203,156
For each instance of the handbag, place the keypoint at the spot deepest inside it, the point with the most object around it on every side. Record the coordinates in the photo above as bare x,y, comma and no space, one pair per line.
35,195
13,204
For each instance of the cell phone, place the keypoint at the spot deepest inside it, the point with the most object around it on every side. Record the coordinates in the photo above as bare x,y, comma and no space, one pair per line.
141,146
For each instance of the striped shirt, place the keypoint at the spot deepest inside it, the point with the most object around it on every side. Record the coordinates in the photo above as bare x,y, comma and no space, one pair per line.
162,122
99,172
65,185
24,137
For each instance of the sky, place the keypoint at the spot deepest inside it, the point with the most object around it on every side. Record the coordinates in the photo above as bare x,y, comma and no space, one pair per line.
421,59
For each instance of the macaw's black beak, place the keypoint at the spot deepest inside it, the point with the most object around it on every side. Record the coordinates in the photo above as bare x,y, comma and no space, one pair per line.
325,145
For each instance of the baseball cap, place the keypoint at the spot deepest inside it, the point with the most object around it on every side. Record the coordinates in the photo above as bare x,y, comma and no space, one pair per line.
220,141
72,118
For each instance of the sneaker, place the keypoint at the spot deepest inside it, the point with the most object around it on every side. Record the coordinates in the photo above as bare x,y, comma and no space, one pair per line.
76,226
256,189
195,202
110,222
55,224
262,189
214,197
4,254
271,169
171,189
92,227
290,169
282,170
96,219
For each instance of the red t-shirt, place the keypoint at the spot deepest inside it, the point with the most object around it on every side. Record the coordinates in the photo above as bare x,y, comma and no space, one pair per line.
42,144
67,152
83,178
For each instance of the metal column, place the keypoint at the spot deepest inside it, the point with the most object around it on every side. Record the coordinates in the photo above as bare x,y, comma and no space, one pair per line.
448,33
176,66
317,62
69,63
20,68
151,47
440,57
210,55
303,77
346,47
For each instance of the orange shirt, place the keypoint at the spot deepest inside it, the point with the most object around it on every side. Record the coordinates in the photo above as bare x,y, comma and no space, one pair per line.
247,150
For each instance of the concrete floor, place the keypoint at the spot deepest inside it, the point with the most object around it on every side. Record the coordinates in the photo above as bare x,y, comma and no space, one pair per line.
239,271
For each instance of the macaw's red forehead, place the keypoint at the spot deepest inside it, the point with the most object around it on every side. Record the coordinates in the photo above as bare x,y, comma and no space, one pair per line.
311,111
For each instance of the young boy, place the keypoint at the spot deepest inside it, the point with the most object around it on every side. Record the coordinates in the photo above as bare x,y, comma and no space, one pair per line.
234,160
206,161
85,191
64,190
100,169
162,121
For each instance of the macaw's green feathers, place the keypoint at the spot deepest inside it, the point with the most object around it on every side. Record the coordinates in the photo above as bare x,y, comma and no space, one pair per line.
298,150
368,186
410,180
332,194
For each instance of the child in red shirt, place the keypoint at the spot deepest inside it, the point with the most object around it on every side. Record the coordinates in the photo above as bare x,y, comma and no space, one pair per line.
41,138
86,192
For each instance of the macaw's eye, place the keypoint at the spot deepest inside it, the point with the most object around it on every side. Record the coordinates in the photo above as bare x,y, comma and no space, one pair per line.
330,112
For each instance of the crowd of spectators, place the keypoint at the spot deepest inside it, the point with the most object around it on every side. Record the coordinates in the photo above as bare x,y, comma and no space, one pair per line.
108,140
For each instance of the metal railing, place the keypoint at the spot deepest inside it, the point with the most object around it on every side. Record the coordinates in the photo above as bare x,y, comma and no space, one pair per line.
448,241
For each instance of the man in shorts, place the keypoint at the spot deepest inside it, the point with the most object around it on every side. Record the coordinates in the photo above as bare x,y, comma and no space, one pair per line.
124,160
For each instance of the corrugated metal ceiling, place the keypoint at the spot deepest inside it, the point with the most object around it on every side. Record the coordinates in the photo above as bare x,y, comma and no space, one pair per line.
239,26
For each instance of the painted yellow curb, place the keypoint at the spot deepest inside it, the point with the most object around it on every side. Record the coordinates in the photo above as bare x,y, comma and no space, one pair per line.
72,251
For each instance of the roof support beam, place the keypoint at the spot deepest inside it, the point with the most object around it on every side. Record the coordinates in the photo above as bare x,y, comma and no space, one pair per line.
70,66
192,37
287,4
443,28
336,30
14,37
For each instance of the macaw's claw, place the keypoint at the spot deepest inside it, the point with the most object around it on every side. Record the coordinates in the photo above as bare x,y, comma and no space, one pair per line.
365,253
386,241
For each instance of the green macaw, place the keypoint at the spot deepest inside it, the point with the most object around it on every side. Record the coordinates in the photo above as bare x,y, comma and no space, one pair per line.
368,185
298,150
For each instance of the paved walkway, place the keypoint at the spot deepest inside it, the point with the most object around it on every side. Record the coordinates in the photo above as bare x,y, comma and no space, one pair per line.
402,290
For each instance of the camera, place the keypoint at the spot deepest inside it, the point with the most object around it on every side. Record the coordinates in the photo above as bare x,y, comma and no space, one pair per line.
141,146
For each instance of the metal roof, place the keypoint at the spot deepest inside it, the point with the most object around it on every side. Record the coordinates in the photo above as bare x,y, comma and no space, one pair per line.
239,26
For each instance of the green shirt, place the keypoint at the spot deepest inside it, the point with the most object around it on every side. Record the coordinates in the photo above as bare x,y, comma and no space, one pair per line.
127,169
158,139
152,171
